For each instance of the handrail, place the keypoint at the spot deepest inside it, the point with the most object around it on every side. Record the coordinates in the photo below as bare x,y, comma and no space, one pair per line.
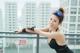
13,36
33,33
33,37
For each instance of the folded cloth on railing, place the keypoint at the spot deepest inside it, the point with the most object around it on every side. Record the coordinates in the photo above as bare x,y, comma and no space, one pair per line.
24,32
31,28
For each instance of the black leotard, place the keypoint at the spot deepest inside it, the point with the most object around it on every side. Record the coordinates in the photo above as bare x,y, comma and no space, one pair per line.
59,49
24,30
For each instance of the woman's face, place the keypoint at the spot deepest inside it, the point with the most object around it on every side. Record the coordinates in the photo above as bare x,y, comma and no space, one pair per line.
54,21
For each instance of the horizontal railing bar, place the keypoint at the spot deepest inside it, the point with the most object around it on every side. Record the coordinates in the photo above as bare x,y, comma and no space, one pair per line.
15,33
8,36
25,36
29,33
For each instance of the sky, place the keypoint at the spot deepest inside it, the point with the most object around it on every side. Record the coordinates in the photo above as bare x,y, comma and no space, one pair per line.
56,3
20,4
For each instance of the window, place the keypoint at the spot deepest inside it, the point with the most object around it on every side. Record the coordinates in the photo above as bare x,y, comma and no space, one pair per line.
79,2
72,28
65,19
71,41
72,18
73,10
78,42
66,2
65,25
78,27
78,10
67,10
74,2
78,18
9,19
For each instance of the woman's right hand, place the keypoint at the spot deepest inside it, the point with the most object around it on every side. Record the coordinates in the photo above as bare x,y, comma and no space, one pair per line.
18,31
27,30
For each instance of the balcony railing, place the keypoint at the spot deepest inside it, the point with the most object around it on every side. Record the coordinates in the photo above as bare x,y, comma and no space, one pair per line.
10,42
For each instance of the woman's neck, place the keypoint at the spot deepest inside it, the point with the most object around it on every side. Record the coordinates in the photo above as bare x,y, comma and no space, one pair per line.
53,29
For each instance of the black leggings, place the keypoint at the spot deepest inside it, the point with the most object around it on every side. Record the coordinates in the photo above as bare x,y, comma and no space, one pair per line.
66,50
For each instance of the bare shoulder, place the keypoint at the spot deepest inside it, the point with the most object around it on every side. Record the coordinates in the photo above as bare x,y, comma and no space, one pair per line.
58,35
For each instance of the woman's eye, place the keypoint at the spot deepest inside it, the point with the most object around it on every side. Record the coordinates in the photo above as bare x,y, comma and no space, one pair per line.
51,19
54,20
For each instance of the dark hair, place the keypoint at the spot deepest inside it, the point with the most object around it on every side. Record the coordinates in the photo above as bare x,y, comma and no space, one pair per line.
60,14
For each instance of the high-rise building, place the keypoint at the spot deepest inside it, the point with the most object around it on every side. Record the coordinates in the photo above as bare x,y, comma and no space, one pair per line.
33,15
10,16
1,21
43,13
10,20
28,14
71,22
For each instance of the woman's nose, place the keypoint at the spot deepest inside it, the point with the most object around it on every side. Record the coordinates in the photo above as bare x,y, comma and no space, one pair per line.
51,22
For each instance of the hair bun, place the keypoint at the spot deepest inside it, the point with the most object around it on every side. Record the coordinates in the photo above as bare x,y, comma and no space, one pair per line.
62,10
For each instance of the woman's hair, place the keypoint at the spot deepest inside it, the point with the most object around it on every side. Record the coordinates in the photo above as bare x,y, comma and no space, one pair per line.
60,14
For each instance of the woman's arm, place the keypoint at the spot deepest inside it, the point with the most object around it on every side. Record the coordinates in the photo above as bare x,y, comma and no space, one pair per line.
44,29
36,30
30,30
54,35
43,32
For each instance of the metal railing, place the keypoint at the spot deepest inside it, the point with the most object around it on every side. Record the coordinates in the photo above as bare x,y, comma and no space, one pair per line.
4,35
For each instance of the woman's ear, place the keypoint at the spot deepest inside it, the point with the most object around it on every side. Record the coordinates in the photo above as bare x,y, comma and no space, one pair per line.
60,25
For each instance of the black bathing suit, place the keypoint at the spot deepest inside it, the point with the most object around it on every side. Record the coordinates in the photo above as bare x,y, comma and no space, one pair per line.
59,49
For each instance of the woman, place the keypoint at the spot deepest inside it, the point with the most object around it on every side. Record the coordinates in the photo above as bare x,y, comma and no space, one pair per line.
56,39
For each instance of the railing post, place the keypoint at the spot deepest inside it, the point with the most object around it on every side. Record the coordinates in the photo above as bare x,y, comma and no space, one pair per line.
37,43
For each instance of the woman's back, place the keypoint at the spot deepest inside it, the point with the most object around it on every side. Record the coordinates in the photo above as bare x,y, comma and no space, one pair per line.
58,48
58,36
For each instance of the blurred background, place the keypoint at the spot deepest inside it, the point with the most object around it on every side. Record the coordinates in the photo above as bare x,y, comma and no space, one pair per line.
17,14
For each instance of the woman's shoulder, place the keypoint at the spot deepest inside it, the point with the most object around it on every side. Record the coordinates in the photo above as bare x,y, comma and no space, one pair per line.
59,34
